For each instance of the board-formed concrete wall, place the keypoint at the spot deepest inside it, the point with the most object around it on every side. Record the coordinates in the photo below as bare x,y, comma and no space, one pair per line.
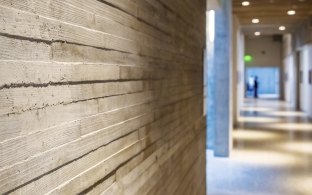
102,96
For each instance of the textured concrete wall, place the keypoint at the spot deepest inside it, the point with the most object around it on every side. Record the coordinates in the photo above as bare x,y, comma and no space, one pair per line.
102,96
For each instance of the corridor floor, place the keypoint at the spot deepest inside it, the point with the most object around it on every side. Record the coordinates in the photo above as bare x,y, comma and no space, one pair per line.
272,153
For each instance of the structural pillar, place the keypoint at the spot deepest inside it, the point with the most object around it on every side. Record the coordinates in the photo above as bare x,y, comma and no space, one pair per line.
222,77
211,106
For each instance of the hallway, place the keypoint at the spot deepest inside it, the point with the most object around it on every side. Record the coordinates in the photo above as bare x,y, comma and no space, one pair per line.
272,153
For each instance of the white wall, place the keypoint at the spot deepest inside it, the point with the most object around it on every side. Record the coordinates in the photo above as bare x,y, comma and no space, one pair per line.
309,62
240,69
289,62
290,82
298,58
238,86
305,87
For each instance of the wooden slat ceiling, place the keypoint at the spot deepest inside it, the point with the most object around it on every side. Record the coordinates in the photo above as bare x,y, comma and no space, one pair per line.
272,14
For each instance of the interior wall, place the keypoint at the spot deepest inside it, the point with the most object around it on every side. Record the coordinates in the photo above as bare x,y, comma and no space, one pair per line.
290,72
240,71
298,63
309,62
266,51
102,97
305,85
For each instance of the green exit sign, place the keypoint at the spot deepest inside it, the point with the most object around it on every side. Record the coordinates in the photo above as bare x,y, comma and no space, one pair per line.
248,58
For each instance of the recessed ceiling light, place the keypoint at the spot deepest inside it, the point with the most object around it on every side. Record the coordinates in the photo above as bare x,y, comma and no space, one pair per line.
291,12
255,20
245,3
282,28
257,33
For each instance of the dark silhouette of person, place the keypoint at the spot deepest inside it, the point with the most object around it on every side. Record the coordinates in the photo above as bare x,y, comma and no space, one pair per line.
256,86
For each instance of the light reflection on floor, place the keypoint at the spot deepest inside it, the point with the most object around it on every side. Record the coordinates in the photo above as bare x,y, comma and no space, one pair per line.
272,154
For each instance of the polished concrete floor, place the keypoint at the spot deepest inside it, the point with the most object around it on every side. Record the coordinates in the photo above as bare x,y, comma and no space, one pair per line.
272,153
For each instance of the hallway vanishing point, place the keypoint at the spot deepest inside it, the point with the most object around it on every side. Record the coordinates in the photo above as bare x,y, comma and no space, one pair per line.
272,153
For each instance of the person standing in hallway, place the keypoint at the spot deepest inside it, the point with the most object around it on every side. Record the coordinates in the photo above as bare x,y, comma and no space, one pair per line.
256,86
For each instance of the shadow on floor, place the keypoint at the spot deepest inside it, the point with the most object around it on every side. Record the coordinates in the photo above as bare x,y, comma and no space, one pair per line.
272,153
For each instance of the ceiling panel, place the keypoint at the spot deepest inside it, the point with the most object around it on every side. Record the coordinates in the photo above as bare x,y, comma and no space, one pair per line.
272,14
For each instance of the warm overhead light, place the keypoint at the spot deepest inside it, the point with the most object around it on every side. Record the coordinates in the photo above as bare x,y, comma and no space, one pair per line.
245,3
255,20
291,12
257,33
282,28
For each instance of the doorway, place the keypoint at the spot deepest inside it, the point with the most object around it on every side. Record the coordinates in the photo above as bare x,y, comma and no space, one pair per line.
268,78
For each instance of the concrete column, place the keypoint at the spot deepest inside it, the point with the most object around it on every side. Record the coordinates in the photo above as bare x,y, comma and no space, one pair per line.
235,69
211,105
222,67
210,72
